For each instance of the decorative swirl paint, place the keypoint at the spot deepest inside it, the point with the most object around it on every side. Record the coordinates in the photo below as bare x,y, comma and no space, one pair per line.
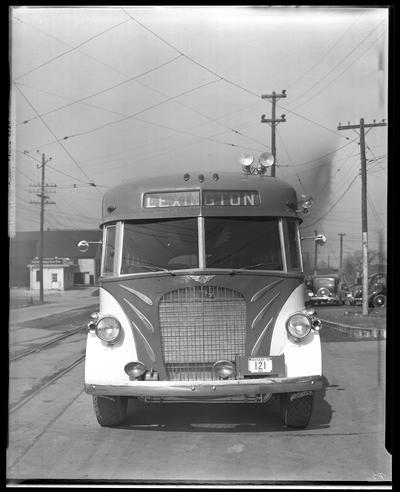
263,310
146,322
260,338
265,289
146,343
141,296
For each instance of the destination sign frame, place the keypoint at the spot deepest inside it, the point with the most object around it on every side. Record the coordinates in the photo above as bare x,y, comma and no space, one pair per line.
207,198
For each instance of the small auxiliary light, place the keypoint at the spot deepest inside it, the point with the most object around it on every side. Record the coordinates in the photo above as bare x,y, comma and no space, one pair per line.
306,202
223,368
201,178
215,177
135,369
186,176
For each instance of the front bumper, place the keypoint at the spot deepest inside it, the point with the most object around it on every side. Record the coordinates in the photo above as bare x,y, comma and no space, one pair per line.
207,389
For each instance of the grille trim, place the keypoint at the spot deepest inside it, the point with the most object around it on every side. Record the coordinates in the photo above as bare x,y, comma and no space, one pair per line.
198,326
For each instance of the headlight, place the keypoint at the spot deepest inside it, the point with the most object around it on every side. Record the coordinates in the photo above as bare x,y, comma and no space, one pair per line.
310,293
108,329
298,325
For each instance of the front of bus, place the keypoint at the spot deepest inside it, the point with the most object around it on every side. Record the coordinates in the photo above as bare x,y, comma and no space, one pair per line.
202,296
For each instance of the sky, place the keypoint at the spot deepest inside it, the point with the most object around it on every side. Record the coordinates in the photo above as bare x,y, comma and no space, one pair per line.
114,93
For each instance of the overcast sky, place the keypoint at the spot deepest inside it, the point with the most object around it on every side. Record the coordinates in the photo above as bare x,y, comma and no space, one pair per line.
111,93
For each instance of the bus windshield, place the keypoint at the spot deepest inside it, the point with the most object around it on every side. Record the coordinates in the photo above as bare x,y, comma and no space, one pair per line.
159,244
243,242
248,243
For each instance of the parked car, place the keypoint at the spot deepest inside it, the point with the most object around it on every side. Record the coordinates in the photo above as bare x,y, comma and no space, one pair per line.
326,289
376,291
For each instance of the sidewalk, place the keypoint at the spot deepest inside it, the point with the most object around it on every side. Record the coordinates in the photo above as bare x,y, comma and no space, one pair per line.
54,303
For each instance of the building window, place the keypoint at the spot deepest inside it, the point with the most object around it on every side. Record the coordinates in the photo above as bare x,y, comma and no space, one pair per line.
37,275
54,277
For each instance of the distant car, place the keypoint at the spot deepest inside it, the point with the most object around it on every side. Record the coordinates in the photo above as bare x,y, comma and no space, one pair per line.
326,289
376,291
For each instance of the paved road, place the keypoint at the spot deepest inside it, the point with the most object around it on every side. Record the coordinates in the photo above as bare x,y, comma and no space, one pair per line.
56,436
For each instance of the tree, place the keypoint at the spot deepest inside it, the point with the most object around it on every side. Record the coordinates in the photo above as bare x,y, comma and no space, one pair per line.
352,264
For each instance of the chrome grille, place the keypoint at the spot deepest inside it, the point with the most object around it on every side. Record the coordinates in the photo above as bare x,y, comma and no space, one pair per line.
200,325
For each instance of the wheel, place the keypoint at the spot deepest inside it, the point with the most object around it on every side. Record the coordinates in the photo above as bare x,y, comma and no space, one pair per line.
110,410
296,408
379,300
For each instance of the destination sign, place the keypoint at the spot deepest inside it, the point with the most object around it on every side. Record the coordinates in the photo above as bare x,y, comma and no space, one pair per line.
210,198
234,198
167,199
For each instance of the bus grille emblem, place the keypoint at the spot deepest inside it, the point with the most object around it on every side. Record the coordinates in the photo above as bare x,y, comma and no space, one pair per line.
202,279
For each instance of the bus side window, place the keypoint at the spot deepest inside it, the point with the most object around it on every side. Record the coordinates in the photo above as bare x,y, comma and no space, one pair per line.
109,253
292,246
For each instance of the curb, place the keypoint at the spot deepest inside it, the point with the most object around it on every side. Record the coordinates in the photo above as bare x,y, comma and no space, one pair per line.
373,333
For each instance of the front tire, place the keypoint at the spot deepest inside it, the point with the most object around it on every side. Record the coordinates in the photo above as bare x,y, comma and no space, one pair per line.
296,408
110,410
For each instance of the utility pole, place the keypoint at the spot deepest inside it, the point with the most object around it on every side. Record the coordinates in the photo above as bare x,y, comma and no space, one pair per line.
274,122
364,218
43,201
315,254
341,234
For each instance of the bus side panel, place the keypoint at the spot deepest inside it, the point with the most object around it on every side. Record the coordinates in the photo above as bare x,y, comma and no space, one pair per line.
104,362
302,358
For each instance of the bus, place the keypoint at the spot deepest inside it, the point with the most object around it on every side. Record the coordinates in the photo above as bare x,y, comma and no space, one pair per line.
201,296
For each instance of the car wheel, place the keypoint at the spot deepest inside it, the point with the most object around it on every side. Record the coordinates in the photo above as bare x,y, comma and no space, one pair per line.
110,410
379,301
296,408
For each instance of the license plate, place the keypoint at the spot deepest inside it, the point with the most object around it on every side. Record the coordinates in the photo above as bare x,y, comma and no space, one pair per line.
260,364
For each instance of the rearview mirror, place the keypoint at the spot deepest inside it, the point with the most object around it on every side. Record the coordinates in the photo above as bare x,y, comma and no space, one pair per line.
320,239
83,246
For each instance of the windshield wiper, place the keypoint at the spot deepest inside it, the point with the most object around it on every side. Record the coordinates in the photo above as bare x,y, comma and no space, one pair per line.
248,267
156,268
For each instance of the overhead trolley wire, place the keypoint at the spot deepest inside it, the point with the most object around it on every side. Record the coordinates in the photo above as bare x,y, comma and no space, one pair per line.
188,57
107,89
70,50
51,131
230,81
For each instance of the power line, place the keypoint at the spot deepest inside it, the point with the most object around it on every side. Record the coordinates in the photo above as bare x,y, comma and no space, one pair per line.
342,72
324,55
337,64
69,45
26,153
94,94
105,125
70,50
334,205
188,57
51,131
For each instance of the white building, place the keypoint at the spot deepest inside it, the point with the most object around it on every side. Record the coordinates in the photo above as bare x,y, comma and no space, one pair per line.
58,273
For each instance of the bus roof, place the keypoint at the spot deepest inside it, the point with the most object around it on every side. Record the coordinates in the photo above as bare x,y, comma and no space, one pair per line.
232,194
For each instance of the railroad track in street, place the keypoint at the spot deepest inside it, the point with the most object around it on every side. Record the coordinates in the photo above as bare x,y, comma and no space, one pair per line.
49,381
42,346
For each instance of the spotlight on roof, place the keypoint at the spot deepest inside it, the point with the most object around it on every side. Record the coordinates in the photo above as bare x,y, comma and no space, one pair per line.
246,160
